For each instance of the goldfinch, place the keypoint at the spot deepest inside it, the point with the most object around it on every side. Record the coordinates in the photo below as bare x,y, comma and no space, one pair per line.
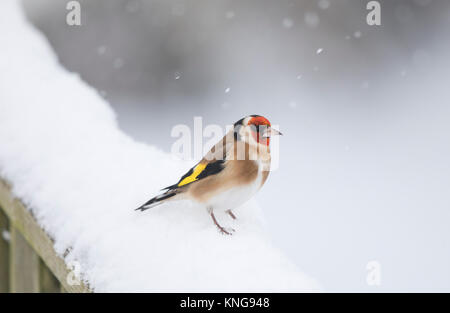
229,174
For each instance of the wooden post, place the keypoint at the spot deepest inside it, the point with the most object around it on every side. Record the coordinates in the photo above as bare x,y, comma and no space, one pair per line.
4,253
24,221
24,265
48,282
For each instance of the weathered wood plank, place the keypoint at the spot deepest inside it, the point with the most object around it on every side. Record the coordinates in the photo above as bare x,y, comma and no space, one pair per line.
4,253
23,221
48,283
24,269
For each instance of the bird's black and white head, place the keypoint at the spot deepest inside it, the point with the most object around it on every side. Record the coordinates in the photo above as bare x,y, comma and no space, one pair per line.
255,130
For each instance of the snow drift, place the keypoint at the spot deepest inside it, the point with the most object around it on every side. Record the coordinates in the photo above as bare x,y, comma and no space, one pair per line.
63,153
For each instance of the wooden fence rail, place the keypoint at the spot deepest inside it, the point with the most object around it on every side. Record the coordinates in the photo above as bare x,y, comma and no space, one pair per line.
28,262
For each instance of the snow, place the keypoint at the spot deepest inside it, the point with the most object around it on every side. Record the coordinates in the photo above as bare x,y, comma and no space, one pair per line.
6,235
81,176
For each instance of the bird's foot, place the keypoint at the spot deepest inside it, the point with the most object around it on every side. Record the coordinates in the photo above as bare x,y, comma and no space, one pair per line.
231,214
223,230
226,230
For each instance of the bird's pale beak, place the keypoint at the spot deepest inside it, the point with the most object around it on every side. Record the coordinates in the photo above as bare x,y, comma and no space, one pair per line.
269,132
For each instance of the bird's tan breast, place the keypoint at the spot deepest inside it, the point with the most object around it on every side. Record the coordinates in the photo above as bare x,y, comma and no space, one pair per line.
235,174
238,172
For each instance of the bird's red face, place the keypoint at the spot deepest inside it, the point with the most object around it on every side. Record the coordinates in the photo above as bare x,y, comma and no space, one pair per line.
259,125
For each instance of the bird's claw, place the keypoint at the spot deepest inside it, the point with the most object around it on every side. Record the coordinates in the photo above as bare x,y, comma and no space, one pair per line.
231,214
226,231
223,230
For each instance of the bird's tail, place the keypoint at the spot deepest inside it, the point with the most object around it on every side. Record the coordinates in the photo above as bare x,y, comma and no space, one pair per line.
158,200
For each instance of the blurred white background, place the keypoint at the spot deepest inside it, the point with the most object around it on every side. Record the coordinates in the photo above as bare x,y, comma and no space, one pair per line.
364,172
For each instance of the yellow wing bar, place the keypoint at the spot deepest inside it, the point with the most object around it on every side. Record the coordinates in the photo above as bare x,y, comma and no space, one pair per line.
193,177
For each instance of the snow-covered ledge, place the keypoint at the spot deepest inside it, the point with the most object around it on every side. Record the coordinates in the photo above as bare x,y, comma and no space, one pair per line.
66,159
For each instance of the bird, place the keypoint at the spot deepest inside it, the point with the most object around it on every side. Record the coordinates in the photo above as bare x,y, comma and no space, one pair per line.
229,174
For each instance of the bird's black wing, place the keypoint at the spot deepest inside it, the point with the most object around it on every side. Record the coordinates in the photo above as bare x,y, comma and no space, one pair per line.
199,171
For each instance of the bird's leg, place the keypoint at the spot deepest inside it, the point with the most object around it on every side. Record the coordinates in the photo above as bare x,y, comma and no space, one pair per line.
231,214
222,229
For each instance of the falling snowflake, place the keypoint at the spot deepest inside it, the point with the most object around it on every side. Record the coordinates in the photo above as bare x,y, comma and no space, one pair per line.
118,63
288,23
227,90
312,19
230,14
101,50
319,51
324,4
357,34
177,75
